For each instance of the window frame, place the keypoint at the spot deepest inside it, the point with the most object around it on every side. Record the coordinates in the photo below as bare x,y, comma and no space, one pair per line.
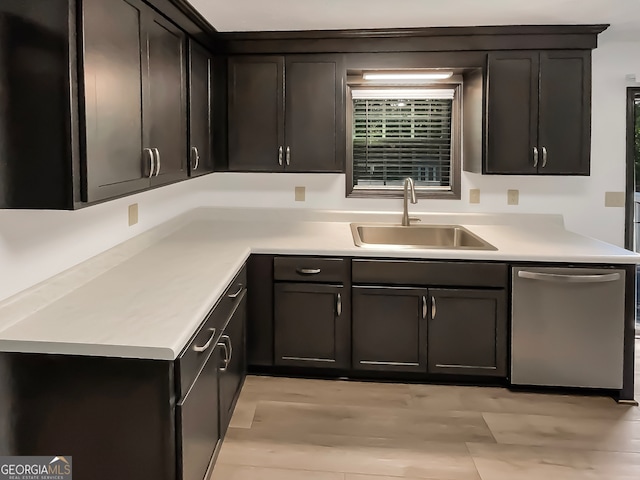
421,192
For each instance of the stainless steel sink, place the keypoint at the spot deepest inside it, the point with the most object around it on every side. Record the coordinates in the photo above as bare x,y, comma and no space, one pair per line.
417,236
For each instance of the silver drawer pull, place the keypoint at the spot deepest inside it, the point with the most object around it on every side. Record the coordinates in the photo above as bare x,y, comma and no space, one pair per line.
227,340
152,161
555,277
196,157
424,307
280,156
198,349
544,157
339,304
223,345
308,271
535,157
157,160
235,295
434,309
288,156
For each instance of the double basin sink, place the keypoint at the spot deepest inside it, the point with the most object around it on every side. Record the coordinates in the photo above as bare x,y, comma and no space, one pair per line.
417,236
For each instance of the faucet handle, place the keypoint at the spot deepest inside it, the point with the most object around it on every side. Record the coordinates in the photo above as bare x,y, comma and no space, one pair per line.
414,219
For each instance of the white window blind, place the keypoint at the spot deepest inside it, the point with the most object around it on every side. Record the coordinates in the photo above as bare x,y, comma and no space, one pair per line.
399,133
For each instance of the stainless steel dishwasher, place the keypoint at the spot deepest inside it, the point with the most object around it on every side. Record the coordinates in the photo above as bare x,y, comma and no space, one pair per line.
567,327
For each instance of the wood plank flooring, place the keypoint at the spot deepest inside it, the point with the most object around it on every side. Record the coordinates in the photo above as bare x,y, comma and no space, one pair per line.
296,429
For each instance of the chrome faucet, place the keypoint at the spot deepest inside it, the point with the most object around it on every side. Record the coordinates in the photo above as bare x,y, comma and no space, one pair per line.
408,187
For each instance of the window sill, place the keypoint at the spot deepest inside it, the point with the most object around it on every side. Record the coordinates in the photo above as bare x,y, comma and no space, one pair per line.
385,193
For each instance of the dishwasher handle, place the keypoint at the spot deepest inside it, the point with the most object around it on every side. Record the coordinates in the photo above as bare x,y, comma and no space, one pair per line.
559,278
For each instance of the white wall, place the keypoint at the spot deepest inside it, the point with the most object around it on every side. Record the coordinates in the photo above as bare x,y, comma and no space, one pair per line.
35,245
579,199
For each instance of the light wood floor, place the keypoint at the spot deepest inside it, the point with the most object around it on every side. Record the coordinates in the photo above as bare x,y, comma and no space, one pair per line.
294,429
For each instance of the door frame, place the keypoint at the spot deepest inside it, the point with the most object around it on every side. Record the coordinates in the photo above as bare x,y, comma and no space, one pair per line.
632,93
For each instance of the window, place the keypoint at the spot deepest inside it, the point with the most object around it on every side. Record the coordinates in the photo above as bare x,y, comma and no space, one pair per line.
399,132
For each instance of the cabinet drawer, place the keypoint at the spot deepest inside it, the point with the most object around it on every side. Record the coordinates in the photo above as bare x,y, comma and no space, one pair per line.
310,269
455,274
198,422
194,355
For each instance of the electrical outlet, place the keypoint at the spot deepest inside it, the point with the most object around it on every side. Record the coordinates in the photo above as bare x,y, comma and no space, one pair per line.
474,195
614,199
133,214
513,197
300,194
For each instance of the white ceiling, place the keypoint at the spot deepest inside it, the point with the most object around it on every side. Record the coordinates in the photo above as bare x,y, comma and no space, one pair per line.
250,15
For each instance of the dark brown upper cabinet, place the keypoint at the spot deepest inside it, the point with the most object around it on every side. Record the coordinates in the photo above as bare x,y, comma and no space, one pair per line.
97,103
538,113
286,113
114,40
134,64
200,110
167,94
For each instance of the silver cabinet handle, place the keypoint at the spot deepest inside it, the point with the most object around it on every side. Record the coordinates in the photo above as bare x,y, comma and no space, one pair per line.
288,155
227,359
535,157
308,271
235,295
424,307
152,161
339,304
196,156
158,160
544,157
434,309
198,349
280,155
556,277
227,339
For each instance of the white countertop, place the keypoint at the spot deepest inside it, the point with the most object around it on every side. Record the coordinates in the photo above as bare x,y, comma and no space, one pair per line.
146,297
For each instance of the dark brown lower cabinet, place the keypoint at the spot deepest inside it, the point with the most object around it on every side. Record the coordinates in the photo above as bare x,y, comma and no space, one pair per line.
233,363
155,419
467,332
390,328
312,327
260,311
115,416
199,422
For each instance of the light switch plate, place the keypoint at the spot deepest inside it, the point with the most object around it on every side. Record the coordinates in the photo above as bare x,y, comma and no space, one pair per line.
614,199
300,194
133,214
474,195
513,197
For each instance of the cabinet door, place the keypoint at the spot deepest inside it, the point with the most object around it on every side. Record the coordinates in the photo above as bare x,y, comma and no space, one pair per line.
114,45
312,327
390,329
468,332
512,112
200,105
314,116
165,113
565,112
256,114
234,363
199,422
